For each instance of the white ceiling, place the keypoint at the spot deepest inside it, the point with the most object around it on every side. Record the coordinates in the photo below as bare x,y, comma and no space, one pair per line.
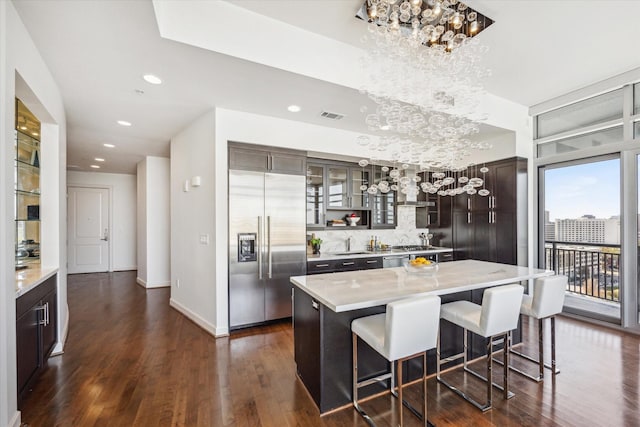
97,51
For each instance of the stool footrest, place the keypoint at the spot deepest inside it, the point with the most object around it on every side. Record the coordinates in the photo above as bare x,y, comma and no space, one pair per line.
498,386
525,356
483,407
374,380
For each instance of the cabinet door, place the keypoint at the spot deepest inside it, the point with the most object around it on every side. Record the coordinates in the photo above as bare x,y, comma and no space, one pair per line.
318,267
49,330
359,178
462,235
504,186
287,163
505,237
315,196
27,346
338,187
483,236
248,159
306,333
384,210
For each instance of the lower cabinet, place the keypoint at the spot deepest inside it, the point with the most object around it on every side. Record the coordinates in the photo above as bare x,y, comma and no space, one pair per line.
36,333
347,264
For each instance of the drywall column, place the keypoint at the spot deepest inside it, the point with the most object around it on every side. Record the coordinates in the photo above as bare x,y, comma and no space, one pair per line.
153,218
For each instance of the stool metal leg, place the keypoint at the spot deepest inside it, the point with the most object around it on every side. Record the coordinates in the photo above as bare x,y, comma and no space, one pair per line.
541,348
489,372
401,401
540,360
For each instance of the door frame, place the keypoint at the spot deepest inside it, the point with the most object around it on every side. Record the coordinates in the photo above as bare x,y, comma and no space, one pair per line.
109,189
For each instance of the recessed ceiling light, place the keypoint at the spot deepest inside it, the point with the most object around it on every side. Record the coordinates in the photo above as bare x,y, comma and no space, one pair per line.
124,123
109,145
150,78
95,166
23,127
98,159
385,127
73,166
34,133
294,108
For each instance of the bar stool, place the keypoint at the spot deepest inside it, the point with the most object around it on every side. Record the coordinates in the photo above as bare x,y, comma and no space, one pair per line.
408,329
546,302
497,315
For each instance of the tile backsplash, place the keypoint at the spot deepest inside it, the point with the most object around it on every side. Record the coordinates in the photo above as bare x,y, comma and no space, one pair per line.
405,233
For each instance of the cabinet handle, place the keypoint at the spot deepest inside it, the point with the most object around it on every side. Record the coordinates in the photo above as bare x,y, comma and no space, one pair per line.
321,265
46,311
259,249
468,203
269,246
490,217
494,217
348,263
468,217
375,261
315,304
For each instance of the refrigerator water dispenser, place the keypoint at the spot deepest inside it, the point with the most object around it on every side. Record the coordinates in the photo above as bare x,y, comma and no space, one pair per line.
247,247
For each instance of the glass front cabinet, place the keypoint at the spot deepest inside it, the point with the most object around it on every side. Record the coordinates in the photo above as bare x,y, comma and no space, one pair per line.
27,187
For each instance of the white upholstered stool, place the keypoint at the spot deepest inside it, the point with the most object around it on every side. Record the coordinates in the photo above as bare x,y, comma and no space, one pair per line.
497,315
408,329
546,302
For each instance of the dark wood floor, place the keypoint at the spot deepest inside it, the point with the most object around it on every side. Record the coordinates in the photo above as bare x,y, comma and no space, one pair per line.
131,360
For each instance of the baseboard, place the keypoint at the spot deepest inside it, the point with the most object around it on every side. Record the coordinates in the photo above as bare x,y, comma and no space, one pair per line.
147,285
15,421
195,318
133,268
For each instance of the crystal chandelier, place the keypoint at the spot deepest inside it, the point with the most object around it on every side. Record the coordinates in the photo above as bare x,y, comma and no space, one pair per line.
423,72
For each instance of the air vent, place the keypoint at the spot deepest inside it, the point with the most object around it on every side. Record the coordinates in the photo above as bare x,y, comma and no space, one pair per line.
331,116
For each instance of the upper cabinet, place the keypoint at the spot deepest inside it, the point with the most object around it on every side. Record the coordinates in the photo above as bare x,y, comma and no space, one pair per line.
345,187
335,192
266,159
27,186
384,211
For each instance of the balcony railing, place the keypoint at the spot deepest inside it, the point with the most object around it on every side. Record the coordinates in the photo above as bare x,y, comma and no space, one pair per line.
592,269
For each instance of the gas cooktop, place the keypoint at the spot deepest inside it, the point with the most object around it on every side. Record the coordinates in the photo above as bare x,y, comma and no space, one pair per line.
413,247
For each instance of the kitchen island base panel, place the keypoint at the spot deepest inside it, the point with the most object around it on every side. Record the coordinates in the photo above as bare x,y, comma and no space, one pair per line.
322,347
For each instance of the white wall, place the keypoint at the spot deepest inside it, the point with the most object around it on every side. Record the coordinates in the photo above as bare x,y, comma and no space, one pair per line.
122,212
194,265
153,215
18,55
141,219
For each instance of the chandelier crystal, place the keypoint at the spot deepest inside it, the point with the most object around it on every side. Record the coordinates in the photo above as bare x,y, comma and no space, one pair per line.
423,72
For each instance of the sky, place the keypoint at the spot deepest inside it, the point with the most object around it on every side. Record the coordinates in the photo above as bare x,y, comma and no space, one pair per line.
587,189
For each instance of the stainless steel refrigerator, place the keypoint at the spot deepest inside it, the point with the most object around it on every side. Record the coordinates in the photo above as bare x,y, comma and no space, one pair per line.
267,244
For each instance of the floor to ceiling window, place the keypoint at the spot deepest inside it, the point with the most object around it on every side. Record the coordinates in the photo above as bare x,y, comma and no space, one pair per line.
588,160
582,233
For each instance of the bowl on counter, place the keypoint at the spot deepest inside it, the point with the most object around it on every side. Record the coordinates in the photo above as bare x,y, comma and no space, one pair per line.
421,267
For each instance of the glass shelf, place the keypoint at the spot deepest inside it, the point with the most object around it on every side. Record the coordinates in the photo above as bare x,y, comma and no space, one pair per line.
27,187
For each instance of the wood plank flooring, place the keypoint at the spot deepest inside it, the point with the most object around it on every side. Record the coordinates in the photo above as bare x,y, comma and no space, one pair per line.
131,360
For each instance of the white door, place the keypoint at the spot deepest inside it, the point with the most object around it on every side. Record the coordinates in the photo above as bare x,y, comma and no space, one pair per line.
88,229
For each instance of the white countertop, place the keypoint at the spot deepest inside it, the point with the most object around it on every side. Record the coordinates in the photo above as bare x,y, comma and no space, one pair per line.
354,290
368,254
31,277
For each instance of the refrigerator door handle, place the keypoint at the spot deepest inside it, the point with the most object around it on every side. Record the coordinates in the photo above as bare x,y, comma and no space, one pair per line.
259,249
269,245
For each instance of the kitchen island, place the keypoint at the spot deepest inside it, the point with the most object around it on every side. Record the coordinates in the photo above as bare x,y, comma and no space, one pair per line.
325,305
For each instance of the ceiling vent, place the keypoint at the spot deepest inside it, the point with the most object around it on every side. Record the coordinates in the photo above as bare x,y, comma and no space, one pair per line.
331,116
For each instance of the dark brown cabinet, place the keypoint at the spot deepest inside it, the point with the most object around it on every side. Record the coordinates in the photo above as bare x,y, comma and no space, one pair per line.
490,228
266,159
36,332
346,264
